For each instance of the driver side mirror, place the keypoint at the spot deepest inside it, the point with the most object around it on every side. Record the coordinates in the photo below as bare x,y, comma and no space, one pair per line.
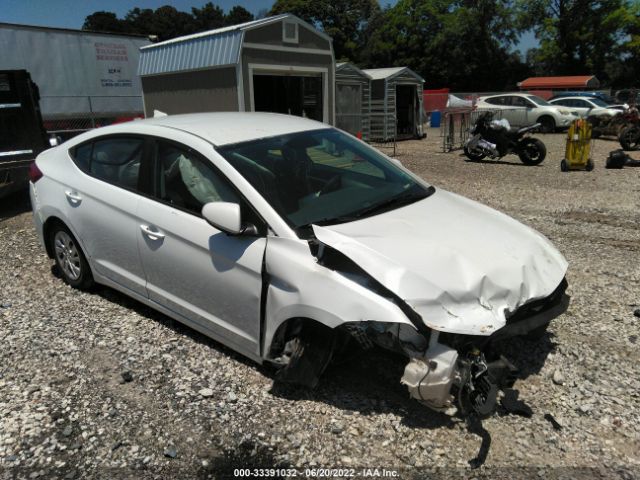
396,161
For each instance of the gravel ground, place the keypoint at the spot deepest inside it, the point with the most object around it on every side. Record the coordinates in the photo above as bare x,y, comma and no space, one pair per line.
95,385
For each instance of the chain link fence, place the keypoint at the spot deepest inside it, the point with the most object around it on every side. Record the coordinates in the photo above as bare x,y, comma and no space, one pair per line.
67,116
377,129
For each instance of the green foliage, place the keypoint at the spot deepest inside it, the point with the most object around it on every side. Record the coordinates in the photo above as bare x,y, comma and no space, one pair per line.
460,44
579,37
345,21
167,22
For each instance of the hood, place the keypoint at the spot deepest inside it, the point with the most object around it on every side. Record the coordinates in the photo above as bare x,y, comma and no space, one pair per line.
460,265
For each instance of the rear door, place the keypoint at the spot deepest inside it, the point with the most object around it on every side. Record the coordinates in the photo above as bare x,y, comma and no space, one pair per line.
211,279
102,206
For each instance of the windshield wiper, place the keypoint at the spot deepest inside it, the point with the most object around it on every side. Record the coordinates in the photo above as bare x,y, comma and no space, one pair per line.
404,198
397,201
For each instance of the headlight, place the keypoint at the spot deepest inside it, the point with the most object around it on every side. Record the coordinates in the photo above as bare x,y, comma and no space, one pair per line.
565,112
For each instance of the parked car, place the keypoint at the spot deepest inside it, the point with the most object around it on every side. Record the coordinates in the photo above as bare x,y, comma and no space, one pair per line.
289,241
522,109
599,95
586,107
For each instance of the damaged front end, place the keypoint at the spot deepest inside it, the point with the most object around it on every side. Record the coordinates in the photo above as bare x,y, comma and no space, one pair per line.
445,369
453,370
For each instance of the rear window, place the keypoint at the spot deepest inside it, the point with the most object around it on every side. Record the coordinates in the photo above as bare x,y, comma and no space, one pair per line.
115,160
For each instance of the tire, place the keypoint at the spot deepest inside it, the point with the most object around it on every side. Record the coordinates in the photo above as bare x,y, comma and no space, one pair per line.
590,165
630,138
69,258
547,124
531,151
473,156
564,167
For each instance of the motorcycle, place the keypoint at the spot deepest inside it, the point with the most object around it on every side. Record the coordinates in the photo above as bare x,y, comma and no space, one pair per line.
496,139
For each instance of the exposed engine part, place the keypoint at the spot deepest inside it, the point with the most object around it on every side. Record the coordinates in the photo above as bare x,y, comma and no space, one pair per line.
476,392
430,378
443,375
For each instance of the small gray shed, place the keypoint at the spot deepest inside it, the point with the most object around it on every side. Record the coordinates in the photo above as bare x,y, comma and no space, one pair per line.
275,64
396,102
352,100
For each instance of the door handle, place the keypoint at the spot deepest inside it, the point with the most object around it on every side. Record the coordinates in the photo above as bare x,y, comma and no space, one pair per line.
153,235
73,196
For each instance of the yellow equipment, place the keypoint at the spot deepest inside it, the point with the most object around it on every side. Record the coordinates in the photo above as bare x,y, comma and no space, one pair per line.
578,151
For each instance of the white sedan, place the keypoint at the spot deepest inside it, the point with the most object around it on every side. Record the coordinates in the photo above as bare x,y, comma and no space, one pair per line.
586,107
288,240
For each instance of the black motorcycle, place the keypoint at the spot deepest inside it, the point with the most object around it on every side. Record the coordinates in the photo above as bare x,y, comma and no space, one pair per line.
493,140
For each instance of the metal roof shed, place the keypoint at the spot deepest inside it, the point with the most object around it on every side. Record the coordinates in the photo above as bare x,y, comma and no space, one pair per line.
396,103
275,64
353,100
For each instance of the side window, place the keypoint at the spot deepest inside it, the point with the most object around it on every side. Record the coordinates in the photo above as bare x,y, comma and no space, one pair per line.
519,102
117,161
496,100
581,104
188,181
82,156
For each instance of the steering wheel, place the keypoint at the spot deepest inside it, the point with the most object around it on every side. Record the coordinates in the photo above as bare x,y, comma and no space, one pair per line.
335,181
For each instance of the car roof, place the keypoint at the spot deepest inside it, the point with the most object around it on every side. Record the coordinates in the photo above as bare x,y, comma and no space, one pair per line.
224,128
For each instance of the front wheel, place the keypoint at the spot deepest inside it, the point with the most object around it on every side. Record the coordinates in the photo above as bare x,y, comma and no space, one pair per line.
630,138
473,154
531,151
547,124
70,260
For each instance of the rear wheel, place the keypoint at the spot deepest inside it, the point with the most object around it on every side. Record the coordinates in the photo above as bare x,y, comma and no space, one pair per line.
564,166
630,138
474,155
70,260
547,124
531,151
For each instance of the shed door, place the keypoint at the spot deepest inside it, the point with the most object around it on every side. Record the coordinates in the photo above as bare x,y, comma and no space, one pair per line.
290,94
349,108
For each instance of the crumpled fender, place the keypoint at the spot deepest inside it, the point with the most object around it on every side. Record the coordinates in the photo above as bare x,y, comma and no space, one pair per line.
460,265
298,287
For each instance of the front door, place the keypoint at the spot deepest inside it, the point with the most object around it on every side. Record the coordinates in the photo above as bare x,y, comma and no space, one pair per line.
210,278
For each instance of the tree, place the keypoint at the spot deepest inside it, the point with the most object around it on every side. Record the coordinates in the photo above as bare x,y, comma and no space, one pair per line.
167,22
103,22
345,21
579,37
461,44
209,17
237,15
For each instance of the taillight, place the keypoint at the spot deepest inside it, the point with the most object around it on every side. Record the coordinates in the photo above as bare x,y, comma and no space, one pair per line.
34,172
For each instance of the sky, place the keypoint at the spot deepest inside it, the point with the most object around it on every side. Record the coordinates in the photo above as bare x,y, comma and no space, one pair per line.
71,14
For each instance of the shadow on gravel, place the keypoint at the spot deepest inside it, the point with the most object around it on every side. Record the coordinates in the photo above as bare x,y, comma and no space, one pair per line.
528,355
125,301
515,163
247,456
14,204
368,384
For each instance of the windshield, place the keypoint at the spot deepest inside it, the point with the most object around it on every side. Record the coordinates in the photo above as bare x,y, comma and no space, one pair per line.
538,100
323,177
